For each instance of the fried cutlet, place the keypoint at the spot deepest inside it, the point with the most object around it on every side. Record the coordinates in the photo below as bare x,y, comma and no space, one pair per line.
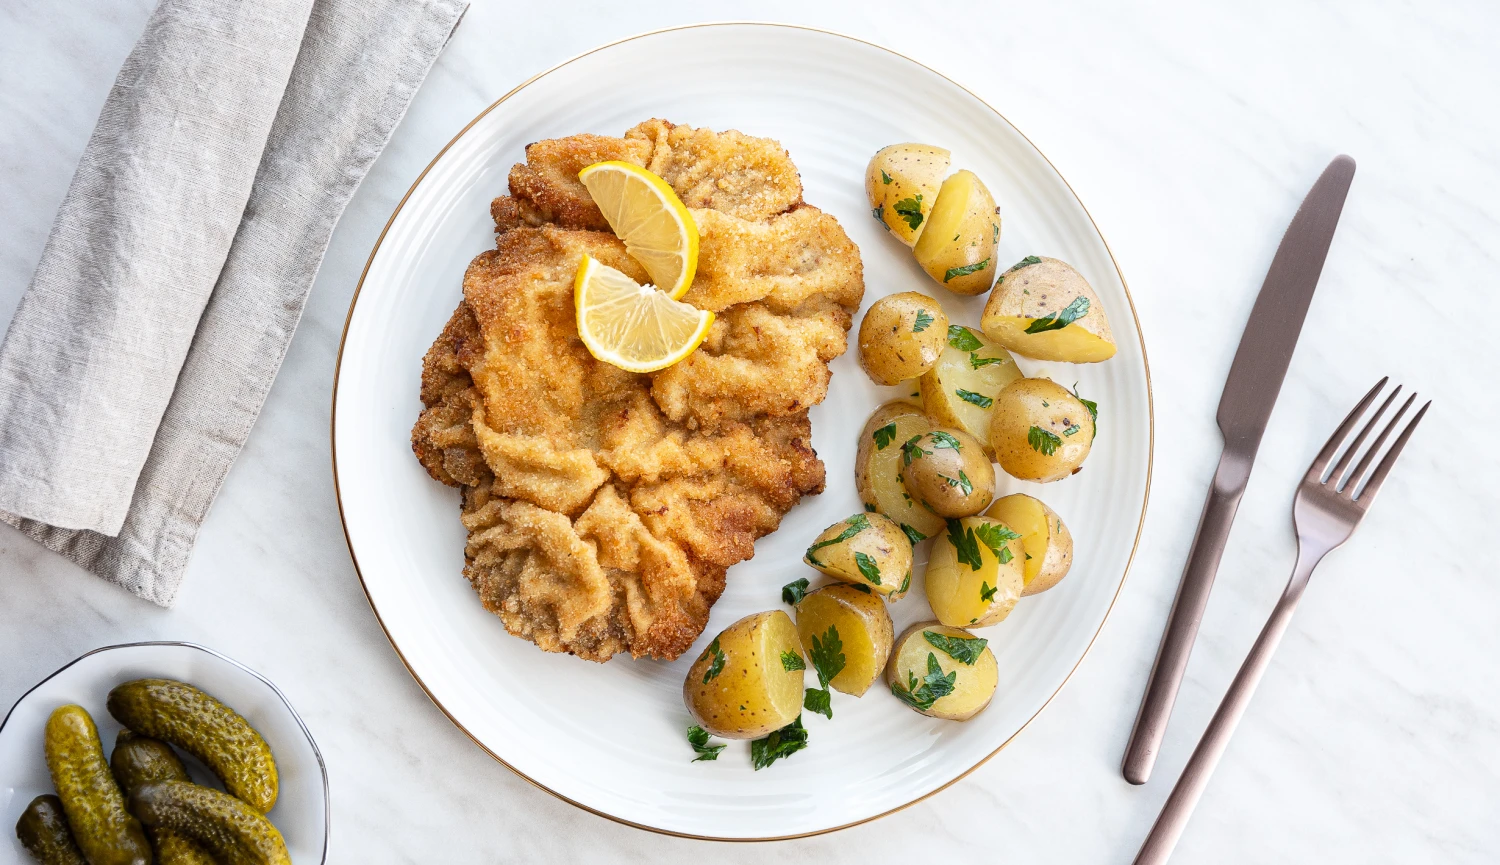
604,507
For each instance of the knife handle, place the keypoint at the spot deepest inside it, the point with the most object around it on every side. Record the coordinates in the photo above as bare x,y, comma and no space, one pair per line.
1187,612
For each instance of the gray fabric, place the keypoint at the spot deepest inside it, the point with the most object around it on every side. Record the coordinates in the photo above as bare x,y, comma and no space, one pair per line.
144,349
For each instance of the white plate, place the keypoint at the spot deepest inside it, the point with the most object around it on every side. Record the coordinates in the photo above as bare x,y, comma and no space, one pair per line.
301,811
610,737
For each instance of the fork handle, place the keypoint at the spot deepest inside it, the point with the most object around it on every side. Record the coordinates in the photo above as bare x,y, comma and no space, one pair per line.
1187,611
1179,806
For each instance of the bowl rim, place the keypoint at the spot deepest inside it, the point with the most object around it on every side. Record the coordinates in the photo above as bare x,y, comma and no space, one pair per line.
302,725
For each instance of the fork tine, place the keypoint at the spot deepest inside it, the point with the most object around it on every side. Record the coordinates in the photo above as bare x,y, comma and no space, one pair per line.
1320,462
1353,448
1352,480
1372,486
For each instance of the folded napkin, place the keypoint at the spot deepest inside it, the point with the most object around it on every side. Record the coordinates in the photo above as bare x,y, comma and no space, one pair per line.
180,260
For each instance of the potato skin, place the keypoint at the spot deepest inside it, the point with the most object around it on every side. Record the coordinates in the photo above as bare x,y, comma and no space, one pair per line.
867,549
901,337
899,176
1038,287
948,470
864,626
877,469
751,694
974,686
958,247
1063,423
1046,540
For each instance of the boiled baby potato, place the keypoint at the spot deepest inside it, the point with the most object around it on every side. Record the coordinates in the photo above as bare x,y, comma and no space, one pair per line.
959,391
867,549
748,682
948,471
860,620
1040,431
1047,542
877,468
976,572
902,183
901,337
958,246
1045,309
943,672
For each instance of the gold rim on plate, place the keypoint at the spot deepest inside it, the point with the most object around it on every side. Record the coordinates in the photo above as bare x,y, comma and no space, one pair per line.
333,444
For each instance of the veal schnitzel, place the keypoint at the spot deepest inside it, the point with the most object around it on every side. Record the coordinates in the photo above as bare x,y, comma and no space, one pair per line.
604,507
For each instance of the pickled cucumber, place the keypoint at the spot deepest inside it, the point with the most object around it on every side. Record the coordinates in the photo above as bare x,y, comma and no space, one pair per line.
138,761
178,713
43,830
106,832
234,832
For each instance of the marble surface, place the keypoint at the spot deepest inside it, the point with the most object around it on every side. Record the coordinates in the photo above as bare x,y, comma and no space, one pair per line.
1191,133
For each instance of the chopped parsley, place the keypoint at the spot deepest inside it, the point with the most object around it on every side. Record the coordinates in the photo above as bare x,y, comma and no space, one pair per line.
986,591
964,650
857,524
819,701
941,439
976,361
910,209
965,545
884,436
995,238
1025,262
967,269
782,743
1059,320
961,483
867,567
912,534
717,665
913,451
879,214
905,584
1092,406
923,320
963,339
858,587
1071,430
828,660
973,398
791,660
997,537
792,593
885,178
698,738
920,695
1042,441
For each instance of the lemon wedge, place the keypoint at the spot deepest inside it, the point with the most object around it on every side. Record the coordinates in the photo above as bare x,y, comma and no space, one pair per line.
645,213
637,328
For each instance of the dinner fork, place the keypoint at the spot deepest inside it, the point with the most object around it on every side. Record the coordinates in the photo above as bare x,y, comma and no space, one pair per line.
1328,507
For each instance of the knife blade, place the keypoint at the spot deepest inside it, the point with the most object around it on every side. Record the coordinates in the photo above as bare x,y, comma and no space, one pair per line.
1250,392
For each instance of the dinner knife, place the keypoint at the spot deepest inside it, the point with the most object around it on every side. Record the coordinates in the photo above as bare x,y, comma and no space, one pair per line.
1250,393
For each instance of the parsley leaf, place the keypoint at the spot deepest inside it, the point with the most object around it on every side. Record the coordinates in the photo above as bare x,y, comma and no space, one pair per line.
976,361
995,238
792,660
965,650
717,666
913,451
1025,262
1092,406
1061,319
885,178
963,339
884,436
879,214
961,483
698,738
782,743
941,439
858,587
923,320
792,593
1071,430
827,655
818,701
1042,441
997,538
910,209
905,584
857,524
973,398
986,591
912,534
967,269
964,544
867,567
932,687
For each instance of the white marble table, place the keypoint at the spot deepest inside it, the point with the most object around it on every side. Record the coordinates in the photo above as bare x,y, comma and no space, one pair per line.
1191,135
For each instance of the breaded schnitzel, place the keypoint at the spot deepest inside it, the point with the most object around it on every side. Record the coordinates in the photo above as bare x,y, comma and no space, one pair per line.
604,507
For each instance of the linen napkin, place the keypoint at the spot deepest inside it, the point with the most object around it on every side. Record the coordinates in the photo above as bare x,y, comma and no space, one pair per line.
180,260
